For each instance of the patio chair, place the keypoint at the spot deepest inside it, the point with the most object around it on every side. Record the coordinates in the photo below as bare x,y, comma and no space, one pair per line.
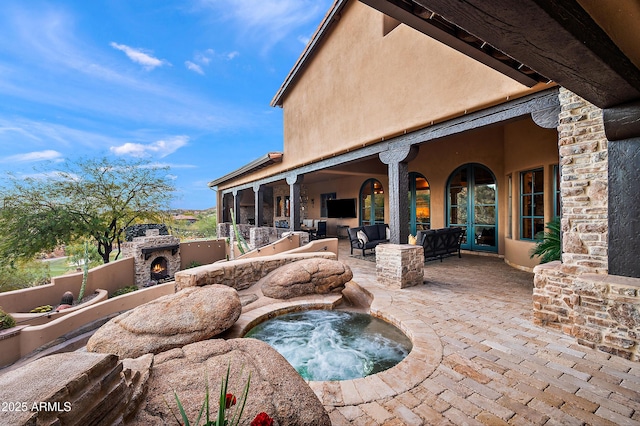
320,232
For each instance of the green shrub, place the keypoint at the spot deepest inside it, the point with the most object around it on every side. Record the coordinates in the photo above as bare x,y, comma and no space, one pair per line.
42,309
23,275
76,253
124,290
194,264
6,320
549,245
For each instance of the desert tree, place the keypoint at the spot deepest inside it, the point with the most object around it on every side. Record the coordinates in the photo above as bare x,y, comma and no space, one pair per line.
76,200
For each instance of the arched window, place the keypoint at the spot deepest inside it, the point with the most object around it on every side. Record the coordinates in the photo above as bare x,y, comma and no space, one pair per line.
371,202
419,203
472,203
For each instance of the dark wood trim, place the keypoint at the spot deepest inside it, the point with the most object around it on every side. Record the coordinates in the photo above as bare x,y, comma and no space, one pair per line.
464,43
622,122
556,38
148,250
497,114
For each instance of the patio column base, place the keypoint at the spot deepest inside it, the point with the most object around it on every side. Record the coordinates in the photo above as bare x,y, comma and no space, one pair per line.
399,265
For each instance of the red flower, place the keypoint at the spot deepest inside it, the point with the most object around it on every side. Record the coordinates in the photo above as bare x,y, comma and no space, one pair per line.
262,419
230,400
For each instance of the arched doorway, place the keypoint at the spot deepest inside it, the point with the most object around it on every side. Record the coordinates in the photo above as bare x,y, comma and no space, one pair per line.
472,203
371,202
419,203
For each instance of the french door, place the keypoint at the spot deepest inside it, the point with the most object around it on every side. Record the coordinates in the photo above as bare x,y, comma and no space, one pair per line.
472,204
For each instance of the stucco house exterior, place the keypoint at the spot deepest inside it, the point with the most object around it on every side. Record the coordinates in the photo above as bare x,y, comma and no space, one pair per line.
492,115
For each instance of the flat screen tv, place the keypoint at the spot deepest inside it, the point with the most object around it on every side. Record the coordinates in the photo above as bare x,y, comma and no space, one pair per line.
341,208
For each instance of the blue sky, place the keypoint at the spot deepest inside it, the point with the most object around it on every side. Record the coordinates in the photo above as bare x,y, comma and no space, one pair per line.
183,83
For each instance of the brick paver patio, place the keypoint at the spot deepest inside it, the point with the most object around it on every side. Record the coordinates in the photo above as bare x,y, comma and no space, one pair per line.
489,364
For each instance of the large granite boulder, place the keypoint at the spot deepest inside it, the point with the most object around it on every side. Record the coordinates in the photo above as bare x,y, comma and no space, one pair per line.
275,388
308,276
172,321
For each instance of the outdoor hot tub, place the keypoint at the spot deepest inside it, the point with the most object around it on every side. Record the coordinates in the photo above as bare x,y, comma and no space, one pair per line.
328,345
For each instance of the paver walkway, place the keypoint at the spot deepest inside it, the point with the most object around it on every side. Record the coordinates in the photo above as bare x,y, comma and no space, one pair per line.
496,367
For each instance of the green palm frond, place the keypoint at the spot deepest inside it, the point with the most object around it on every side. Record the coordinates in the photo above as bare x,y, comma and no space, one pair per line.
549,245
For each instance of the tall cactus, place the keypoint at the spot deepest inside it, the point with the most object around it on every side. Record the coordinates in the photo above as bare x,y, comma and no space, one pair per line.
85,271
240,241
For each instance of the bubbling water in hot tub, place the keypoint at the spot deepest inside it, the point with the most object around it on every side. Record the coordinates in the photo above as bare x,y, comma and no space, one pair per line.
334,345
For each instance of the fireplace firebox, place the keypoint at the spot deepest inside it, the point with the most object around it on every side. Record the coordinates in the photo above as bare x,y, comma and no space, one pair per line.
159,269
156,257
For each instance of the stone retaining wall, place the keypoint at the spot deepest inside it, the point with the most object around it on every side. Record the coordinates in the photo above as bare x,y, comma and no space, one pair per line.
601,311
241,273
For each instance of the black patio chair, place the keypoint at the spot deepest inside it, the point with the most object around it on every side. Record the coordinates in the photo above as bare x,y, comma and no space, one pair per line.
320,232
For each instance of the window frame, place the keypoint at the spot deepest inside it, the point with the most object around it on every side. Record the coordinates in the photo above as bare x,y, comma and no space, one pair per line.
531,216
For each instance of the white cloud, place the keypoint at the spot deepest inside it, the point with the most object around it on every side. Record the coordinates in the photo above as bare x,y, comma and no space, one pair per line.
303,39
169,165
194,67
31,157
140,56
203,59
269,21
156,149
53,175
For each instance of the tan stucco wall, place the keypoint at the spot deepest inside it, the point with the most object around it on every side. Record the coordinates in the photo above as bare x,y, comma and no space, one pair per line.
527,147
203,252
360,87
110,277
506,150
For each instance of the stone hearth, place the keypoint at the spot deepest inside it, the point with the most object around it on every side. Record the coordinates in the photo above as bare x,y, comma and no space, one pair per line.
156,257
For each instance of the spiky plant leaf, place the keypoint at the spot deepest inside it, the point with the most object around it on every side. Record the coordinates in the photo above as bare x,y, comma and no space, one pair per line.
549,245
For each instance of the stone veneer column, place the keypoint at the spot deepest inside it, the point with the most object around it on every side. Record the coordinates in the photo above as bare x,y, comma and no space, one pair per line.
578,297
259,236
399,265
583,184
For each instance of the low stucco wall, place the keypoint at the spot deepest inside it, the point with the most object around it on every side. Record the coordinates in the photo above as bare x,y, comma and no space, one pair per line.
22,342
43,318
517,254
202,252
329,245
109,277
284,244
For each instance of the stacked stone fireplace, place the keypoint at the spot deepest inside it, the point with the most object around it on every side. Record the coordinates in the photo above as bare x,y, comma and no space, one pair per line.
156,257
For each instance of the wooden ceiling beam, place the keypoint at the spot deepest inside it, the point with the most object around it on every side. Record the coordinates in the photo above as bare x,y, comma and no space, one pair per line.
556,38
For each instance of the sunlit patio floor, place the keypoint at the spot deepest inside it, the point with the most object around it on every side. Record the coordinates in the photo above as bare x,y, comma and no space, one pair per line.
480,359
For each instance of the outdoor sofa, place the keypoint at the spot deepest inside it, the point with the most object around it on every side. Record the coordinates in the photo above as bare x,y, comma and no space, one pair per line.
367,237
438,243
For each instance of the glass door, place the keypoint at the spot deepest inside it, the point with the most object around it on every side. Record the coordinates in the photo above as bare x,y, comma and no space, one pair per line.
473,205
371,203
419,203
